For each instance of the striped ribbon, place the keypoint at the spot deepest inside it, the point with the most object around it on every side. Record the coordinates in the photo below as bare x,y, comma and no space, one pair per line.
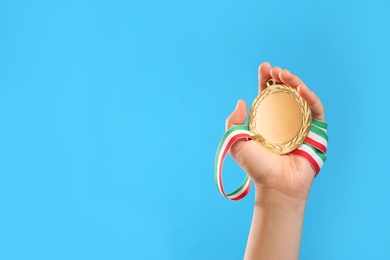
313,150
314,147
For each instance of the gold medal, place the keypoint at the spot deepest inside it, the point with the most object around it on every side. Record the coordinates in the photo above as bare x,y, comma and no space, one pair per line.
279,118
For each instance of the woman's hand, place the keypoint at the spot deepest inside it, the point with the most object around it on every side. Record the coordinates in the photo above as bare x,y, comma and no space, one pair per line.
288,174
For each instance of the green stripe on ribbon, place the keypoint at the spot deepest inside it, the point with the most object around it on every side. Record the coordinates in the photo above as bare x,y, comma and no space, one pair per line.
321,124
315,129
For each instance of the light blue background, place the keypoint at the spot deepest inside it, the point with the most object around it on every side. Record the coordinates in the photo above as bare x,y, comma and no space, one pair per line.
111,112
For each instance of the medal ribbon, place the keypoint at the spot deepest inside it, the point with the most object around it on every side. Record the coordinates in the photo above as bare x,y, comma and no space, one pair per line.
313,150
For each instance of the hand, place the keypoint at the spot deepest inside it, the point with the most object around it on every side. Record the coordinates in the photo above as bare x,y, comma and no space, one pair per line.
288,174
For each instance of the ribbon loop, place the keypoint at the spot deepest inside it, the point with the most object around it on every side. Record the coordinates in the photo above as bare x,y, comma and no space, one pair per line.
229,138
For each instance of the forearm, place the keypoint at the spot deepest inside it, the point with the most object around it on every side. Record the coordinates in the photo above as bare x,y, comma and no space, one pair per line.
276,226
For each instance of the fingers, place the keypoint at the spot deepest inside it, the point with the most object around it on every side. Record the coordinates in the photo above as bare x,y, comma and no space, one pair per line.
275,74
289,79
312,100
238,116
317,109
264,75
266,72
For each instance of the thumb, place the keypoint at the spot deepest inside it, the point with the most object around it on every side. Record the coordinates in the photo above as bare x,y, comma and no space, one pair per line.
254,159
238,116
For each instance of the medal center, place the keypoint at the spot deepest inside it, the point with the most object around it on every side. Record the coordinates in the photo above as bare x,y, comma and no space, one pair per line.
279,118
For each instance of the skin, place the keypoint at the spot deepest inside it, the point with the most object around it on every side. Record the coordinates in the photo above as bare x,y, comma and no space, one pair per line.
282,182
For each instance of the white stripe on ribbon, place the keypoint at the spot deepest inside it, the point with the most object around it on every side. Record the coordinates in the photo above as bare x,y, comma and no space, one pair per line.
318,138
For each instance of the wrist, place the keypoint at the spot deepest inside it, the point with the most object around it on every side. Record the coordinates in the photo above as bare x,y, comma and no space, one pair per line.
292,185
280,197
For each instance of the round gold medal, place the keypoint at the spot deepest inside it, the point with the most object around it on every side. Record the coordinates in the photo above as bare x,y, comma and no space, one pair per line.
279,118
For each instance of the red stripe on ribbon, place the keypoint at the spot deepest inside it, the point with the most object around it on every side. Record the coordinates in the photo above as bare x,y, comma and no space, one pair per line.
316,144
309,158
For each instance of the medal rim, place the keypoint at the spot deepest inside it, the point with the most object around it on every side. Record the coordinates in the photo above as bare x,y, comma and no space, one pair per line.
295,142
